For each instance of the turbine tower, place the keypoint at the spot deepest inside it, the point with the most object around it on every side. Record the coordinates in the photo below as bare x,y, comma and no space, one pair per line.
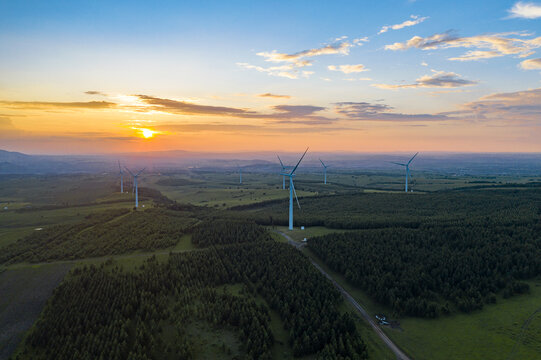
283,171
324,170
121,179
407,165
135,185
240,174
292,190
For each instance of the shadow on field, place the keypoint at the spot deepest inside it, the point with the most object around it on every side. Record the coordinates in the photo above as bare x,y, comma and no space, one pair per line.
24,294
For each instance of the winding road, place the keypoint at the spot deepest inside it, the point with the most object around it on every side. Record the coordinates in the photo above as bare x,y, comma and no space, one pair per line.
390,344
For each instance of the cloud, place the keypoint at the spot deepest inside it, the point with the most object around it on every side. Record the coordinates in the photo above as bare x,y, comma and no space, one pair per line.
526,10
360,41
424,63
276,96
57,105
486,46
244,128
186,108
297,58
531,64
364,111
348,69
513,107
290,63
287,71
93,92
414,21
302,114
439,79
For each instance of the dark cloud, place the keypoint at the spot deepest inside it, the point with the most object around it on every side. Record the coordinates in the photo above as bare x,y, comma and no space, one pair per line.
364,111
183,107
439,79
93,92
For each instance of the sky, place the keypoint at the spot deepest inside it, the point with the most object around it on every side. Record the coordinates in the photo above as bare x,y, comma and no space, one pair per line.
93,77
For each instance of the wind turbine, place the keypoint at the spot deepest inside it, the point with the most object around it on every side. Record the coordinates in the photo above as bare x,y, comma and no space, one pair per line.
292,191
121,180
283,171
135,185
407,165
324,170
240,174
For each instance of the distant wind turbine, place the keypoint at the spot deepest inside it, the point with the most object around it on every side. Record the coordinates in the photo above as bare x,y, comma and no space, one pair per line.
407,165
283,171
135,185
292,190
240,174
324,170
121,179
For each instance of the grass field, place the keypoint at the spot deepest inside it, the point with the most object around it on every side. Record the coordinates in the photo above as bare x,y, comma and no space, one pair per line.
487,334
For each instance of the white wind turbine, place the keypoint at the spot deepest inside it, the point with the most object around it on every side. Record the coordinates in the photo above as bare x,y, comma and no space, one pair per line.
135,185
407,165
121,179
292,190
324,170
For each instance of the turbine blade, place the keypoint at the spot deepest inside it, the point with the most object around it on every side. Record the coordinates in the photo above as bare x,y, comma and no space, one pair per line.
412,158
322,163
281,163
392,162
295,193
296,166
119,168
129,171
140,171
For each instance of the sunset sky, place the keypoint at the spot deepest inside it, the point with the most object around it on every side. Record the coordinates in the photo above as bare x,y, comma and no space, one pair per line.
362,76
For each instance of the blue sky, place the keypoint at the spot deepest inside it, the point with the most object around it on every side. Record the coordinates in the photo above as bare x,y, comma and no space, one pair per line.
212,53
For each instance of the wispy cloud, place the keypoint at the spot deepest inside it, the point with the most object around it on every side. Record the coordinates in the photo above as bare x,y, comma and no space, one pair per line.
364,111
348,69
360,41
298,57
513,107
526,10
291,63
57,105
287,71
187,108
275,96
94,92
246,128
438,79
486,46
531,64
413,21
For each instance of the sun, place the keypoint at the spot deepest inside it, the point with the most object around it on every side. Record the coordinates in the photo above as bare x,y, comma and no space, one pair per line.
147,133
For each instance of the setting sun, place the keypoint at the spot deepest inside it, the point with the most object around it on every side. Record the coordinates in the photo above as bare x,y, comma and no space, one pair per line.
147,133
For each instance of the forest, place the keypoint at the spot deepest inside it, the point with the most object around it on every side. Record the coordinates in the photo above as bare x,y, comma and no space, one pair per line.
221,232
106,312
434,269
382,210
103,233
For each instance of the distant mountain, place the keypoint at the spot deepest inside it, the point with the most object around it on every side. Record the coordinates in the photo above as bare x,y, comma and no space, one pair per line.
454,164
